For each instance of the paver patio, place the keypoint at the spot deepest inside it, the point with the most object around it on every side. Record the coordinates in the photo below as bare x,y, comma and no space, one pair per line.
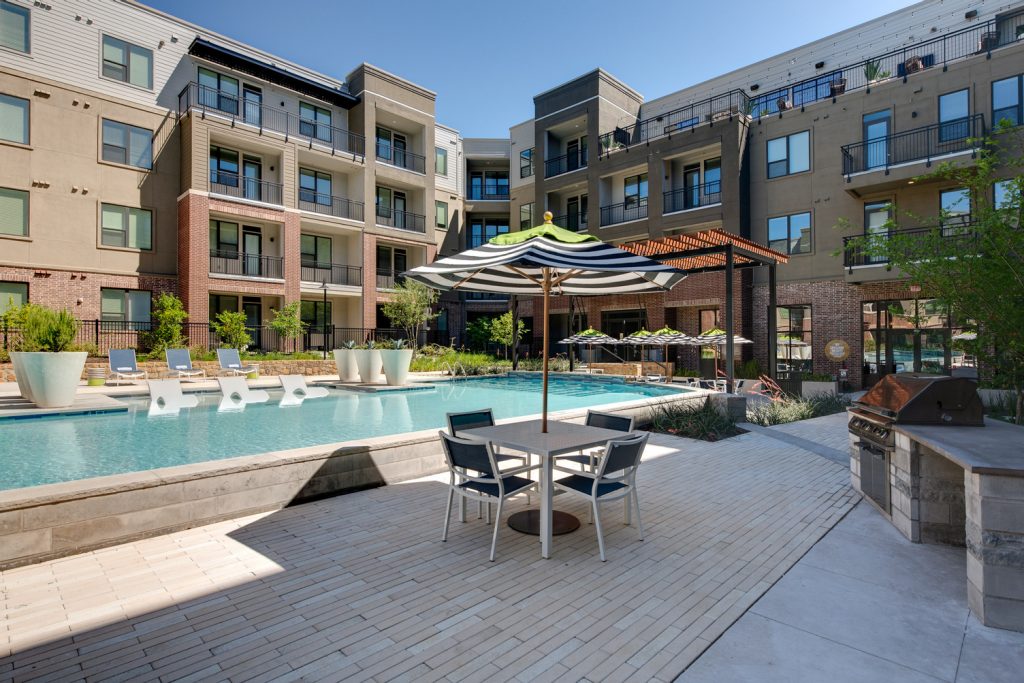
359,587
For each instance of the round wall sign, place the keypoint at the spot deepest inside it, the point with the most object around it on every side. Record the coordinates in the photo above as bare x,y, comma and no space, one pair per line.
837,350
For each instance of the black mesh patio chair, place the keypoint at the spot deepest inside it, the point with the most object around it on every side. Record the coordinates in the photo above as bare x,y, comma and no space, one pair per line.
620,423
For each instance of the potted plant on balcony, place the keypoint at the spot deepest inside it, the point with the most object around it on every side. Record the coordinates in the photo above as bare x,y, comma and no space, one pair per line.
368,363
396,360
873,71
345,362
46,369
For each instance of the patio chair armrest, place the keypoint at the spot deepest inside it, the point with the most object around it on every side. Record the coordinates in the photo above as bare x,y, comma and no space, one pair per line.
519,470
566,470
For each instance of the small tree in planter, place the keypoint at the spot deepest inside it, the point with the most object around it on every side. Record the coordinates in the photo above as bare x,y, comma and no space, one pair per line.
168,316
410,307
231,328
46,369
287,323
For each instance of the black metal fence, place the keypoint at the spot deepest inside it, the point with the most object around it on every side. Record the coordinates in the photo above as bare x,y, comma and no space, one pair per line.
332,273
329,205
958,229
718,108
623,212
565,163
403,220
919,144
403,158
693,197
572,221
248,265
244,187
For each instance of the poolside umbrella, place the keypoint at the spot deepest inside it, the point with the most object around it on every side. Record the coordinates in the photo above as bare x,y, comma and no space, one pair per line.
717,338
589,336
547,260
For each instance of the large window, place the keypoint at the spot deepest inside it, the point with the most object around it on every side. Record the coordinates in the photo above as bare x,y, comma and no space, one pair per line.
223,166
908,335
392,260
790,234
790,154
224,240
526,216
794,343
124,144
314,122
712,177
526,163
483,229
441,161
634,190
220,303
125,305
488,185
122,226
15,23
316,251
12,295
218,91
14,119
129,63
955,207
314,186
316,314
954,109
13,212
441,215
1007,99
877,217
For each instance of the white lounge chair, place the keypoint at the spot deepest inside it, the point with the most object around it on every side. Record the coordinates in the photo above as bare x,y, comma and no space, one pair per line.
124,366
179,365
296,390
166,398
236,394
231,363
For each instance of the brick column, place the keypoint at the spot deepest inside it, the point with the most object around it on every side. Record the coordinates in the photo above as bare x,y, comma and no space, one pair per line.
291,250
369,281
194,255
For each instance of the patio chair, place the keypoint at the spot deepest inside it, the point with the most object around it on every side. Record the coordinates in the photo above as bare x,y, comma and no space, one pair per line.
483,418
296,390
474,475
166,398
179,364
124,366
614,479
236,394
620,423
231,364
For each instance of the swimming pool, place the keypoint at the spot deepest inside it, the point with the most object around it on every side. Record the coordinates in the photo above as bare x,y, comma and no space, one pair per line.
67,448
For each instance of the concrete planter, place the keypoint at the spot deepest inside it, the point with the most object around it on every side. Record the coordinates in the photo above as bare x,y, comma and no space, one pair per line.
345,362
49,380
368,365
809,389
396,365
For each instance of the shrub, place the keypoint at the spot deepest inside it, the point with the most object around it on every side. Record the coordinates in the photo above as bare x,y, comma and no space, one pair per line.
231,328
695,420
794,409
749,370
685,372
168,316
44,329
287,322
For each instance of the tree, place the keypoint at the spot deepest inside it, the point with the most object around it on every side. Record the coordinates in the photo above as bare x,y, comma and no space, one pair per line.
478,333
975,267
501,331
287,322
410,307
168,316
231,328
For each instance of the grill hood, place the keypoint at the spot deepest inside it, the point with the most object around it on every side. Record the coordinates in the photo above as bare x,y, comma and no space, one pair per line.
910,398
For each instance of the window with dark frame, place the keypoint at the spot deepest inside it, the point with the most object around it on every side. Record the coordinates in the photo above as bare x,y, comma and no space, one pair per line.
128,63
790,234
223,166
483,229
15,27
224,239
955,209
314,187
526,216
315,251
1008,101
526,163
220,303
795,342
217,91
789,154
315,122
954,113
14,119
128,145
634,190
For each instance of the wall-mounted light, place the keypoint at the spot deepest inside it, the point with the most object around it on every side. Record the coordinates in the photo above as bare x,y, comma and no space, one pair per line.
970,14
819,65
754,87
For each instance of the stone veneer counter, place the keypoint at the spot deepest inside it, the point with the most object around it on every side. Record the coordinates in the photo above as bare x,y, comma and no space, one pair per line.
996,448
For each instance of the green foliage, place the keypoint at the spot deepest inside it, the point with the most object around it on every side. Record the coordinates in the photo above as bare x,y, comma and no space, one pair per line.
409,307
502,332
685,372
793,409
287,322
749,370
555,364
350,344
370,345
231,328
199,353
429,360
478,333
397,344
168,316
873,71
44,329
695,420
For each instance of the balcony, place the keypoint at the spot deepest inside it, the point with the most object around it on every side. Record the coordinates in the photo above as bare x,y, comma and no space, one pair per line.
572,221
958,228
920,144
332,274
496,194
329,205
695,197
402,158
623,213
718,108
566,163
241,187
403,220
388,278
202,99
238,264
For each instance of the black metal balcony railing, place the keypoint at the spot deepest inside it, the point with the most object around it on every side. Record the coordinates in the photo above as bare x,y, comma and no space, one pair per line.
719,107
488,193
201,98
388,278
246,265
919,144
565,163
402,158
959,228
331,273
693,197
626,211
329,205
403,220
572,221
486,296
242,187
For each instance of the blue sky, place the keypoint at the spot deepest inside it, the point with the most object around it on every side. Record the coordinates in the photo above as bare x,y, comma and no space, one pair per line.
486,66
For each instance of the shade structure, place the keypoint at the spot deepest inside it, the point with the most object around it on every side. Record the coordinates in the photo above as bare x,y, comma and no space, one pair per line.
589,336
717,338
548,260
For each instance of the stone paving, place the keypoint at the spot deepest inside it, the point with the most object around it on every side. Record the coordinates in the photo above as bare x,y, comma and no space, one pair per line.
359,587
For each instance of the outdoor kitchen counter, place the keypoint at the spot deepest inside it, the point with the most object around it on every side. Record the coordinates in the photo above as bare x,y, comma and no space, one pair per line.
997,448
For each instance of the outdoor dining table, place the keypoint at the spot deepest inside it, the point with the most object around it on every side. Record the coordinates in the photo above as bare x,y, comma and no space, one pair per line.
562,438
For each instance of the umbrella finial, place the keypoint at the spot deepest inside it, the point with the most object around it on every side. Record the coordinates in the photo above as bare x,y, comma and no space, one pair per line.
547,217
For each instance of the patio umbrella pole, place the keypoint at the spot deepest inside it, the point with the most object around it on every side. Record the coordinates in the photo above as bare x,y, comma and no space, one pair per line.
546,287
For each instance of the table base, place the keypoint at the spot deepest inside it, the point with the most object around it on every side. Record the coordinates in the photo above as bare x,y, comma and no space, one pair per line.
528,522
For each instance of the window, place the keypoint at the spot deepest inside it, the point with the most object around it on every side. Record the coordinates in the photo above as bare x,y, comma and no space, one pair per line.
14,27
712,176
635,190
526,163
794,343
1007,96
481,230
314,122
316,251
441,215
954,109
314,186
392,260
12,295
789,155
125,305
129,63
708,319
218,91
488,185
224,241
122,226
13,119
13,212
1001,194
955,208
219,303
790,234
223,166
441,161
526,216
316,314
877,217
124,144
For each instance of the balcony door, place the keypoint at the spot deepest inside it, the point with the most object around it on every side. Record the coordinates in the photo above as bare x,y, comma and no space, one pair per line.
252,250
572,209
252,98
876,223
576,153
401,146
399,203
691,185
252,171
252,306
876,135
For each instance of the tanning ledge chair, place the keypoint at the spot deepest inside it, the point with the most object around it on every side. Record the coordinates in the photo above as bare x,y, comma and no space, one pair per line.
166,398
620,423
124,366
474,475
614,479
231,363
236,394
179,365
296,390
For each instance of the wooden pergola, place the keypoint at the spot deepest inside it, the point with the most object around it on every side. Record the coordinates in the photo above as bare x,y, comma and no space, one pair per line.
719,251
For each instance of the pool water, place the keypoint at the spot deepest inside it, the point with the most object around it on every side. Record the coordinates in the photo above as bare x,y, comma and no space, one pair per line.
67,448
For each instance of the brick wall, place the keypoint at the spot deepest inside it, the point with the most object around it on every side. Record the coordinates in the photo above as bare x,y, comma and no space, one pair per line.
79,290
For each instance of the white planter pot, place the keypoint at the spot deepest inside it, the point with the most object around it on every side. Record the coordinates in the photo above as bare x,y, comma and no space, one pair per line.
368,365
396,365
345,362
49,380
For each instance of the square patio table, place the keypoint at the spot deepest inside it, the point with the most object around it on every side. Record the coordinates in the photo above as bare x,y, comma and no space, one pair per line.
561,438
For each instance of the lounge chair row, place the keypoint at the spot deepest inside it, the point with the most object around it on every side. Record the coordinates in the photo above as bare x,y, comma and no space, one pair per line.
167,398
124,366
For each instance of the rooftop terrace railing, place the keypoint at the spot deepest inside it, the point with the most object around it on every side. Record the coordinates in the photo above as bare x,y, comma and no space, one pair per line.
718,107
